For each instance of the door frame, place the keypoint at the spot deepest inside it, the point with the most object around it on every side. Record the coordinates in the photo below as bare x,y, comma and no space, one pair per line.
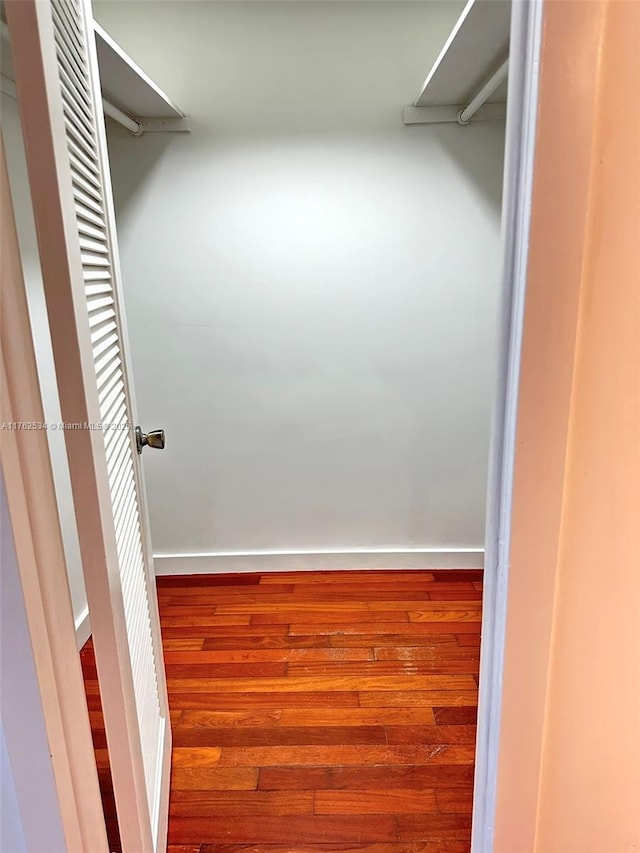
526,38
522,109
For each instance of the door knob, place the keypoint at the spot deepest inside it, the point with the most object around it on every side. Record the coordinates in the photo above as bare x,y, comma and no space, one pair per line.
155,438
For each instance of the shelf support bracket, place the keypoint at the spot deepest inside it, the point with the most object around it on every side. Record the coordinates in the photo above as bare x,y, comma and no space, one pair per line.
450,114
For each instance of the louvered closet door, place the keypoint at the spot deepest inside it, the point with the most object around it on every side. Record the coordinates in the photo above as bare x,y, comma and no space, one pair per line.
63,124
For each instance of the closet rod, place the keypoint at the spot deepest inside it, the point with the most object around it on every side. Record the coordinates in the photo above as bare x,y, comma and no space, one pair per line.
134,127
465,115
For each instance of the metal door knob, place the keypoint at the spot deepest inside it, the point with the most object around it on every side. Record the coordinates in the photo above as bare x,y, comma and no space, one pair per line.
155,439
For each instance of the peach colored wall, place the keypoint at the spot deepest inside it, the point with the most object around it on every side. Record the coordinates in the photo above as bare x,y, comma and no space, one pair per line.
569,766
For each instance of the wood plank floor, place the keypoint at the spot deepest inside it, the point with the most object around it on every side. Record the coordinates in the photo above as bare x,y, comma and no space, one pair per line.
317,711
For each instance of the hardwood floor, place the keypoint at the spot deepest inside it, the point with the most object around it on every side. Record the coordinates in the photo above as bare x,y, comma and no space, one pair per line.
317,711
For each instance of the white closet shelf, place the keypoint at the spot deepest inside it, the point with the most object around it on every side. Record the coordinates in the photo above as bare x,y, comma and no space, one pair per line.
128,94
474,54
126,87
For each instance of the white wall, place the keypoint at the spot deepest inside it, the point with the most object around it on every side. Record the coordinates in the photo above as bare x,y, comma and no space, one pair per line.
30,819
311,286
19,181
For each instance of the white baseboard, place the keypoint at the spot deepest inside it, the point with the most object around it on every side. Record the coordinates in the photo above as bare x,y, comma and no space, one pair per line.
305,561
83,628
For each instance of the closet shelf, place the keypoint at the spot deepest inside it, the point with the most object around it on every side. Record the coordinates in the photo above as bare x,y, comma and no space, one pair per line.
128,94
127,88
475,51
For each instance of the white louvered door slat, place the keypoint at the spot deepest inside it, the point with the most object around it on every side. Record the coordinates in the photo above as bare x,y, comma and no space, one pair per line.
59,98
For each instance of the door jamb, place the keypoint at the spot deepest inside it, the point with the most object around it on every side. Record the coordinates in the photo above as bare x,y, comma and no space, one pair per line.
522,108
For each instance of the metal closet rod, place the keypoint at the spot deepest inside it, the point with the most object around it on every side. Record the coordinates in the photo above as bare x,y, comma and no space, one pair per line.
465,115
133,126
